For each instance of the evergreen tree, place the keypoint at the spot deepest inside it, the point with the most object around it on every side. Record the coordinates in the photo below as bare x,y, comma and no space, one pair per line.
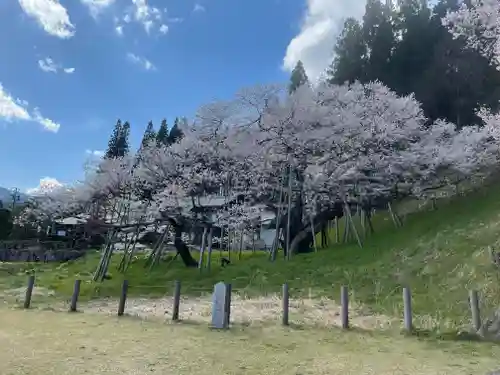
379,38
414,52
147,138
350,52
112,151
175,133
149,134
162,135
410,51
122,145
5,223
298,77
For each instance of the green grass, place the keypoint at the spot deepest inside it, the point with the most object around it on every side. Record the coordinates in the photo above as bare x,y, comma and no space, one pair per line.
44,342
440,254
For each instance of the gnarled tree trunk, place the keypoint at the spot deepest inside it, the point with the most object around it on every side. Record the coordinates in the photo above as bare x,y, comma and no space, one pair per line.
180,246
301,233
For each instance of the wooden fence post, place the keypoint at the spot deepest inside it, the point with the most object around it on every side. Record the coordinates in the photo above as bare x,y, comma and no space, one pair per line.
74,297
177,300
29,292
344,302
474,307
123,298
408,322
286,304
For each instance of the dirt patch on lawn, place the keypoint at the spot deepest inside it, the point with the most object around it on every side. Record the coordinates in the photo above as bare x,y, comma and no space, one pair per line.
247,311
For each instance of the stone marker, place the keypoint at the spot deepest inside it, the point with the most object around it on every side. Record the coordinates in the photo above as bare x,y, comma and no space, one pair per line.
219,306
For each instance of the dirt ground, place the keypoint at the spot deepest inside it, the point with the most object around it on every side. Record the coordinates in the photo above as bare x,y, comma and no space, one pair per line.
47,342
255,311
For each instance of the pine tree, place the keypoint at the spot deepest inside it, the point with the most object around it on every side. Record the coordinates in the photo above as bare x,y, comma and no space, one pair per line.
112,151
123,147
175,133
350,51
416,50
162,135
380,39
298,77
148,137
149,134
5,223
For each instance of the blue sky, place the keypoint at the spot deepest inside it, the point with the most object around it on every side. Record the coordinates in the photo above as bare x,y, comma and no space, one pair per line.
69,69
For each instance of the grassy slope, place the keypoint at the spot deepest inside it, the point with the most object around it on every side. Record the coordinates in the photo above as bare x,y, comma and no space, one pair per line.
440,254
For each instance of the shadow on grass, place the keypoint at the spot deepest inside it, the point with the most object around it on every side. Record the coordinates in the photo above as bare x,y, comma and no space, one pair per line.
425,335
452,335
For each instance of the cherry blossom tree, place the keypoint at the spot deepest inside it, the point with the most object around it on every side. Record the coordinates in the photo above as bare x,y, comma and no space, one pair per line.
479,24
310,156
179,175
335,146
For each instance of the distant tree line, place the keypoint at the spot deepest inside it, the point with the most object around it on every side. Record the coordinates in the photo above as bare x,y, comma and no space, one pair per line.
118,144
5,222
8,211
407,48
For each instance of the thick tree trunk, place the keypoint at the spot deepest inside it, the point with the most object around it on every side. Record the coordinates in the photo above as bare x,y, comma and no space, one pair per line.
296,225
302,236
303,240
324,235
180,246
300,227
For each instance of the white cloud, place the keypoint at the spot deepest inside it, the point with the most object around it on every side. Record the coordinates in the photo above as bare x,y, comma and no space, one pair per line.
46,185
145,63
51,15
163,29
14,109
10,108
47,123
96,153
47,65
320,27
148,25
97,6
50,66
150,17
198,8
118,26
175,20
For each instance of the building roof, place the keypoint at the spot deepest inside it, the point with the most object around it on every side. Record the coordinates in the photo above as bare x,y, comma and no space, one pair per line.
71,221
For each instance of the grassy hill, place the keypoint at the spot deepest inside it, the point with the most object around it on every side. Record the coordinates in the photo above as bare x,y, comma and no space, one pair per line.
440,254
